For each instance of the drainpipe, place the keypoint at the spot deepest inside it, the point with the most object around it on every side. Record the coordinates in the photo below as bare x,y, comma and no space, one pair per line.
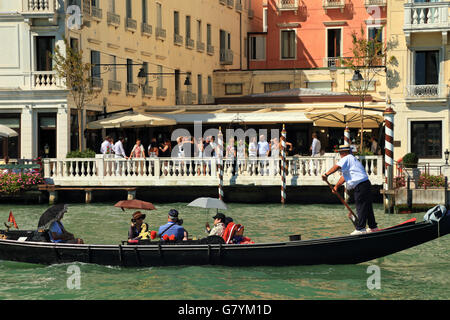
240,40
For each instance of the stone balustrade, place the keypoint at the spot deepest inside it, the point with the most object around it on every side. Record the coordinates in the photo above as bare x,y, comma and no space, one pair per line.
108,171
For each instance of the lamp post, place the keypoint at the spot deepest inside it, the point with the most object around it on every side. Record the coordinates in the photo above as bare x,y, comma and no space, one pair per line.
357,81
446,153
142,76
46,150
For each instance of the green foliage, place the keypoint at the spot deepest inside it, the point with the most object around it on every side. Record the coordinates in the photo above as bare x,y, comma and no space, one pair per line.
364,152
410,160
81,154
426,181
16,182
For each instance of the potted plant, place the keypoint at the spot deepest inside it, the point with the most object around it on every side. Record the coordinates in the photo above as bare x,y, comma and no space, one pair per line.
410,161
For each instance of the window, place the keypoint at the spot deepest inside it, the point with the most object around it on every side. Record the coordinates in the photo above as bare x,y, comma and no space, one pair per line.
113,72
320,85
427,67
208,34
210,86
95,3
188,27
158,15
145,66
129,71
199,88
95,61
257,47
288,44
375,34
160,77
144,11
334,43
74,44
10,146
112,6
176,22
199,30
128,9
233,88
225,40
44,51
264,19
426,139
276,86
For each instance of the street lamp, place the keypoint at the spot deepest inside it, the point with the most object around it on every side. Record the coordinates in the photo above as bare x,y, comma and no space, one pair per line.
142,76
446,153
46,150
357,76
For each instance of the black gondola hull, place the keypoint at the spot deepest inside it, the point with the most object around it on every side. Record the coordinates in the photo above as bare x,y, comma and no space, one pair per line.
339,250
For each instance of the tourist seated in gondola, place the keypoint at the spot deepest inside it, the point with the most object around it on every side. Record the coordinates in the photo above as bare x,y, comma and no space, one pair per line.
219,225
234,233
59,234
139,230
172,230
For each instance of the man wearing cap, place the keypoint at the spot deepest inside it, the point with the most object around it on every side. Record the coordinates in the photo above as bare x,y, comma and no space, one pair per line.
354,174
219,225
172,228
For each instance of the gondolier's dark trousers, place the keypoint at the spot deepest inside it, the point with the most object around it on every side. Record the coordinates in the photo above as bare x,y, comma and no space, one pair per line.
364,208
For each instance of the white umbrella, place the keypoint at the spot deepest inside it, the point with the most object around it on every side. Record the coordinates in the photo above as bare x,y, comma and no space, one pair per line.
208,203
7,132
129,120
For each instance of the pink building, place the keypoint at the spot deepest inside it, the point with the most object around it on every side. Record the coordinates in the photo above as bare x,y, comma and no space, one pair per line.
311,33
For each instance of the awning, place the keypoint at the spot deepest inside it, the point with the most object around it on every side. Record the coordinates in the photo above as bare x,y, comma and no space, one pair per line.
131,119
245,117
346,117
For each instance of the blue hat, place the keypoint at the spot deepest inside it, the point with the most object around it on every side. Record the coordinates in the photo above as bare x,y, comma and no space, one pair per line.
173,213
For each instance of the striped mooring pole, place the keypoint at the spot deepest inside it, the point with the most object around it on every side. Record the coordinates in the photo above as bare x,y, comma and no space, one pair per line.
346,136
283,165
389,156
220,161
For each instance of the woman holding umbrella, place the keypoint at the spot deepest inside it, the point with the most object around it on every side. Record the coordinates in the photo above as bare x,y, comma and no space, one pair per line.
51,221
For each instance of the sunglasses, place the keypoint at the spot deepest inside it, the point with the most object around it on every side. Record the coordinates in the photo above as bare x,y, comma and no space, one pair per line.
134,220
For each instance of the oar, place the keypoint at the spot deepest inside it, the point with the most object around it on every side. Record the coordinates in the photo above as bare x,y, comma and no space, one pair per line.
351,214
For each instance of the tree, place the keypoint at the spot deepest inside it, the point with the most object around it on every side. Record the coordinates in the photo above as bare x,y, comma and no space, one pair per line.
369,60
77,76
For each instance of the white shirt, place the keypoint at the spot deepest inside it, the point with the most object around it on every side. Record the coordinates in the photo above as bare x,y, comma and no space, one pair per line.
352,170
315,147
252,149
105,146
118,149
263,148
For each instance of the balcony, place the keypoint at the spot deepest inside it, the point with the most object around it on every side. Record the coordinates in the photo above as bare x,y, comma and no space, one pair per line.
251,13
186,97
333,4
114,86
200,46
146,29
373,3
210,49
147,91
42,9
230,3
45,80
177,39
285,5
332,62
160,33
132,89
207,99
226,56
113,19
223,2
97,84
426,92
426,17
130,25
96,14
238,5
161,93
190,43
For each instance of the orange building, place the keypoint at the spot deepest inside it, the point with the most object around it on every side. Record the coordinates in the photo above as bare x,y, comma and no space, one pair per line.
298,34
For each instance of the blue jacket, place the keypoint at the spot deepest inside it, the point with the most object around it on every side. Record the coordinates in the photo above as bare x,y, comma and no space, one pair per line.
177,230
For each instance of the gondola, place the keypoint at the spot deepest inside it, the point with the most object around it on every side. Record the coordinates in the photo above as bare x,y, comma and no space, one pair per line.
30,247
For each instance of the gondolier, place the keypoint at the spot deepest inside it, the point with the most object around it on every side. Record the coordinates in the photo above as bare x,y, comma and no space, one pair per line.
354,174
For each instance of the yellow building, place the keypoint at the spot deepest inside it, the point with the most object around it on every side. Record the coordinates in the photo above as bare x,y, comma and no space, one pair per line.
418,82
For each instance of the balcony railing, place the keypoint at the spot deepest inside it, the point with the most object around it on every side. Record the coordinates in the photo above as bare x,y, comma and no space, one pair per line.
428,16
146,29
114,86
113,19
251,13
96,13
238,5
97,83
178,39
210,49
332,62
46,80
200,46
230,3
380,3
224,2
39,6
190,43
161,93
147,91
226,56
160,33
132,89
287,5
426,91
186,97
207,99
333,4
131,24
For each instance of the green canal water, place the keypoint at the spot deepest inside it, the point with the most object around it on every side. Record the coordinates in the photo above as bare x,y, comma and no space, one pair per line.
417,273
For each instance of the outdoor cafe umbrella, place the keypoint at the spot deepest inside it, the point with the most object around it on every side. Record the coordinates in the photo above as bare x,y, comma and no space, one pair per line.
131,119
51,215
135,204
340,118
208,203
